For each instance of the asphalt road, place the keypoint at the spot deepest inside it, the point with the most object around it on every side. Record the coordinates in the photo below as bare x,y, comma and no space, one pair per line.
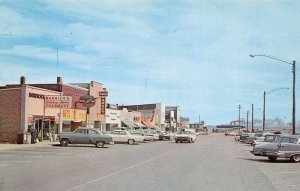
214,162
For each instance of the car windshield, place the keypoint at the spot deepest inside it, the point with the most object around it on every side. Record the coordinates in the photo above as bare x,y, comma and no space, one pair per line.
184,132
269,138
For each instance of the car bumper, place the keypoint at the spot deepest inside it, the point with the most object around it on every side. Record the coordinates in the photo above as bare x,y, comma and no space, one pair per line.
182,138
111,142
272,154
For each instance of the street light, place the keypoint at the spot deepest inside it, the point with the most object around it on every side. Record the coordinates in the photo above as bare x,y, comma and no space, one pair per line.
293,64
264,105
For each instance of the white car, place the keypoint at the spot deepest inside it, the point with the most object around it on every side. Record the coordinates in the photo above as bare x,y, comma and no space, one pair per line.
150,133
123,136
185,136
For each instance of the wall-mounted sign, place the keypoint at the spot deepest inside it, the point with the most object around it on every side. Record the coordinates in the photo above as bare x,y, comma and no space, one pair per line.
75,115
103,93
35,95
102,106
55,101
88,100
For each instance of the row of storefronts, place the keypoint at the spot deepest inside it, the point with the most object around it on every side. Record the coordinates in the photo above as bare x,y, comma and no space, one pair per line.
58,107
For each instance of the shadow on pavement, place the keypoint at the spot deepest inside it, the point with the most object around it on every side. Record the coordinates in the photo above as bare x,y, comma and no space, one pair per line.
79,146
266,160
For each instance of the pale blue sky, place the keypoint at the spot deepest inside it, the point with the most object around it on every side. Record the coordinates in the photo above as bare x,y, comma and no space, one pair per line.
190,53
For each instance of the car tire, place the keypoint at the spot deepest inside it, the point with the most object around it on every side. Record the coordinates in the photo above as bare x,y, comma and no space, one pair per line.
130,141
295,158
99,144
272,158
176,141
191,140
64,142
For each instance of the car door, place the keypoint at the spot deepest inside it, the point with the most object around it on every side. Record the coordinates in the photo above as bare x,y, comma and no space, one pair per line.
116,136
290,146
82,136
123,136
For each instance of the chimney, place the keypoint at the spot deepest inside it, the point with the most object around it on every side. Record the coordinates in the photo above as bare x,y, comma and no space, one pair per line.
22,80
59,80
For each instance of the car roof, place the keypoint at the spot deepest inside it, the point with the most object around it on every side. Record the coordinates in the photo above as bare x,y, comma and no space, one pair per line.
291,136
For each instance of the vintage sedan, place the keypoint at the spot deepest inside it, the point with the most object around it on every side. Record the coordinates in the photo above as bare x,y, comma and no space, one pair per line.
150,133
255,136
282,147
134,132
85,136
185,136
266,139
123,136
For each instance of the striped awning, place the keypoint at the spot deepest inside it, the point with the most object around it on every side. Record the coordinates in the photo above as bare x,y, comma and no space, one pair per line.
149,125
139,124
129,124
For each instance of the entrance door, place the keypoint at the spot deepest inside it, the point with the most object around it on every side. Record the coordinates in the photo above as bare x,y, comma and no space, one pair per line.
46,129
38,127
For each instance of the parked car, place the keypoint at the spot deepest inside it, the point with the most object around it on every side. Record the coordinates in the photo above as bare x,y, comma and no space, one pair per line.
167,136
237,136
138,133
243,137
150,132
85,136
267,138
160,135
283,147
252,137
123,136
185,136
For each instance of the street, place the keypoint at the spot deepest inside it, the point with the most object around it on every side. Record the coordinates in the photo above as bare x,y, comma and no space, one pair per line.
214,162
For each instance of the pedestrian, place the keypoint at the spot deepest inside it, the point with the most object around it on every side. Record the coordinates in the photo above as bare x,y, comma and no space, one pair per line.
33,136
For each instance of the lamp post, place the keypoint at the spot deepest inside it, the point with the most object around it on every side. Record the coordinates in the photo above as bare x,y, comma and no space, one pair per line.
264,104
293,64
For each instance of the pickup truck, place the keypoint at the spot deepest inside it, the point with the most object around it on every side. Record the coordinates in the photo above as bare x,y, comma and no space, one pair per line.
85,136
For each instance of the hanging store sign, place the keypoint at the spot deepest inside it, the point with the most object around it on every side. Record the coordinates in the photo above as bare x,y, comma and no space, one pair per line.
54,101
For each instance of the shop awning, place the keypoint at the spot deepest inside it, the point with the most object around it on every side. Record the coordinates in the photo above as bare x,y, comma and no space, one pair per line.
139,124
149,125
129,124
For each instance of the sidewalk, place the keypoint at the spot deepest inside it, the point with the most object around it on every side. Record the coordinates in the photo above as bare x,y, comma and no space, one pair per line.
4,146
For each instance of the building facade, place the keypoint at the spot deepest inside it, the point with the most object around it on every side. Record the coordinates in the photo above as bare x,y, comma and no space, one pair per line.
152,115
24,107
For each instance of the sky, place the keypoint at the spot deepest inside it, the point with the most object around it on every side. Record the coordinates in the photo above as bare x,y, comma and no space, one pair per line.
187,53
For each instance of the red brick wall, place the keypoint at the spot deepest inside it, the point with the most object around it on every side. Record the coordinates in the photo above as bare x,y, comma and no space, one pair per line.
10,114
76,93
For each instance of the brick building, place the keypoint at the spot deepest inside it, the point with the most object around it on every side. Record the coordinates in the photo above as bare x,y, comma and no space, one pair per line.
22,106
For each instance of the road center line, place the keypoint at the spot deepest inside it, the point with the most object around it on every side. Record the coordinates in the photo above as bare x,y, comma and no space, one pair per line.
292,185
287,172
125,169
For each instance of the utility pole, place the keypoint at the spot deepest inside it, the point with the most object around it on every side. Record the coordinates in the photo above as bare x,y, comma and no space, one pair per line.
252,118
294,97
239,114
264,112
247,119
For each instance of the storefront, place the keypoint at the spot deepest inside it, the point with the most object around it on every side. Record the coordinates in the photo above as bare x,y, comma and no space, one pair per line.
72,119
